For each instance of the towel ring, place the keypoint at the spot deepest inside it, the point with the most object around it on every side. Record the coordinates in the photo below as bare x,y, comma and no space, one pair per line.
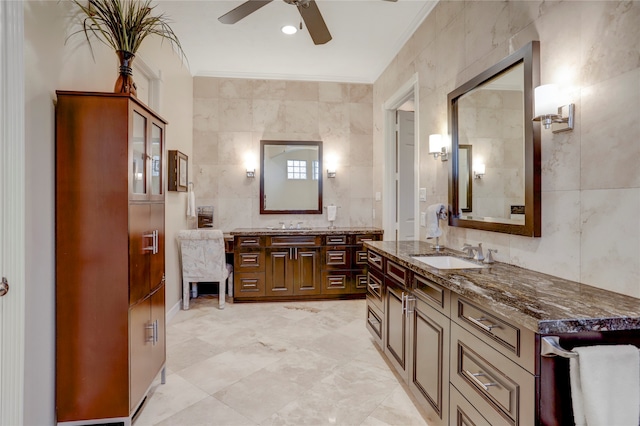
550,346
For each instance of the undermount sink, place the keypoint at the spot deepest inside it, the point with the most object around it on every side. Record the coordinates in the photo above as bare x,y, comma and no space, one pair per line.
447,262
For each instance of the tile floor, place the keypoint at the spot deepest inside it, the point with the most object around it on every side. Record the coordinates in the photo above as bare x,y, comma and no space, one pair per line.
294,363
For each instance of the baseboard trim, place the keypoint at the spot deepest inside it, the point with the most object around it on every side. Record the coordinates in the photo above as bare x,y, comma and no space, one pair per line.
173,311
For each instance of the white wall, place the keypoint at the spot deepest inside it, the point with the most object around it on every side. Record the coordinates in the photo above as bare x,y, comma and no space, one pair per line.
590,176
52,65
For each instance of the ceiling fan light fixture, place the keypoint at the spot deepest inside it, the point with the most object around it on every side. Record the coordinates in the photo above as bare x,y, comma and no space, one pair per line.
289,29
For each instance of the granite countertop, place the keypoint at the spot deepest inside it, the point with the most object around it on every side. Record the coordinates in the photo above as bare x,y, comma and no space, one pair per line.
305,231
537,301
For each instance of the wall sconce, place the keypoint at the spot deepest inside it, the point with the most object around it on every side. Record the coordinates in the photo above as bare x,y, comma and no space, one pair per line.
553,111
331,166
250,165
478,170
438,147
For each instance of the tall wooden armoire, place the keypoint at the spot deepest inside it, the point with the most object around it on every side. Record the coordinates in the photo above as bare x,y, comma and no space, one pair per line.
110,292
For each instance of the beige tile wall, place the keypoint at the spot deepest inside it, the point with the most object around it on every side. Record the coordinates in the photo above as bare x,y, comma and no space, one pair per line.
231,116
590,176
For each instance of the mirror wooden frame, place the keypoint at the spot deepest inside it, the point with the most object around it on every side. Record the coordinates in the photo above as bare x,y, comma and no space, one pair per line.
469,197
263,210
528,55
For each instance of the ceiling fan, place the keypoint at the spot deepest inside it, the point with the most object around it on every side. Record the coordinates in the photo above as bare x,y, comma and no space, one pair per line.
308,10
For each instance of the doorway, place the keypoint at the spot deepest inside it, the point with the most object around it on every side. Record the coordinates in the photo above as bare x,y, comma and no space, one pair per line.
401,164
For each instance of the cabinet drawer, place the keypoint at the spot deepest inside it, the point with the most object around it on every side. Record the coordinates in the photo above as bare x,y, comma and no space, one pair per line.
294,240
249,242
360,282
375,260
361,257
462,412
337,258
360,238
498,388
374,290
397,272
253,260
514,341
248,285
335,282
374,323
432,293
332,240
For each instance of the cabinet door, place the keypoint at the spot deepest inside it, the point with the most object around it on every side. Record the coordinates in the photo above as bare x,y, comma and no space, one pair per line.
306,270
146,148
156,258
279,272
156,160
141,246
141,371
158,354
396,326
138,152
429,360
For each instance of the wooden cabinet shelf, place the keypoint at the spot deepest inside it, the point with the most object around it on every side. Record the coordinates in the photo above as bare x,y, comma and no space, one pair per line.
110,268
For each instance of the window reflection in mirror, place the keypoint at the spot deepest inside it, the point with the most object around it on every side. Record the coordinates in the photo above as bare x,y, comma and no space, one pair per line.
291,177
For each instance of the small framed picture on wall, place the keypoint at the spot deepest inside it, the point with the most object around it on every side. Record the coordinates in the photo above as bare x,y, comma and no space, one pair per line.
178,171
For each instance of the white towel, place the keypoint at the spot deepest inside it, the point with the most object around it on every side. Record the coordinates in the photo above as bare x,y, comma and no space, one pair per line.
332,211
433,215
191,204
605,385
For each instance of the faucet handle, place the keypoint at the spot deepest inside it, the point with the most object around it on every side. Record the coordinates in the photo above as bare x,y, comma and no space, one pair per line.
489,258
282,225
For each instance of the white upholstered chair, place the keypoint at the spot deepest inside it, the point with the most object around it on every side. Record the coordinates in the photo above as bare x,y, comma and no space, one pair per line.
203,260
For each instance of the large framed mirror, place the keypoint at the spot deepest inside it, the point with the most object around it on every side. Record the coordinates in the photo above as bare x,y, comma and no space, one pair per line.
290,177
491,129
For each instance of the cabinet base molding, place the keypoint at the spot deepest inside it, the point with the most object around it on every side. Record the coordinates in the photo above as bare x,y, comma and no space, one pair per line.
298,298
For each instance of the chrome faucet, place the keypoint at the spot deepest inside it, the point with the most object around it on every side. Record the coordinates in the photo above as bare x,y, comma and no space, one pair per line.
469,249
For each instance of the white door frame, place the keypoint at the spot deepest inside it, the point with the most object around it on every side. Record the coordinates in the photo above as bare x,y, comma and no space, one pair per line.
12,212
404,93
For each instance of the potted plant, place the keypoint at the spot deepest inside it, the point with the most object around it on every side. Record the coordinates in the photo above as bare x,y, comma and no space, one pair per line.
123,25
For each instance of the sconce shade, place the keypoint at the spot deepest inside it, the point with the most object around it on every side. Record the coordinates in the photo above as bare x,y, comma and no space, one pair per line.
435,144
479,168
547,100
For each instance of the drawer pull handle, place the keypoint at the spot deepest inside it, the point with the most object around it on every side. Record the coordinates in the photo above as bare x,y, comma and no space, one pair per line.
374,286
474,377
479,323
250,241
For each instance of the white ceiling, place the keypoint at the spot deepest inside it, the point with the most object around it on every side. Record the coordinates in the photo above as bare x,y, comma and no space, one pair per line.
367,34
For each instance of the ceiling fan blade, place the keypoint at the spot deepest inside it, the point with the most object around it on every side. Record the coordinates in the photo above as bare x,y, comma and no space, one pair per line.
242,11
315,23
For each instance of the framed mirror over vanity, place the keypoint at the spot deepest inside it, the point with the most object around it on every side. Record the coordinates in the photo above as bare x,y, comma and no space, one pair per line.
290,177
494,176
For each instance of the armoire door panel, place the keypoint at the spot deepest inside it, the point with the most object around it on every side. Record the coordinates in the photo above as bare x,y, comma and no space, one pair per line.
141,244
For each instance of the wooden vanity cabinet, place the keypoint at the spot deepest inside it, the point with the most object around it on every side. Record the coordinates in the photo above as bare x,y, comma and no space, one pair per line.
464,365
110,270
286,266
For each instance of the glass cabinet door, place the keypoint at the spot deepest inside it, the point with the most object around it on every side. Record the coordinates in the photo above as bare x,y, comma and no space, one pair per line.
139,146
157,180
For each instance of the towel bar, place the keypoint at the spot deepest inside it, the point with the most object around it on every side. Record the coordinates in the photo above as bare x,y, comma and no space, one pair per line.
550,346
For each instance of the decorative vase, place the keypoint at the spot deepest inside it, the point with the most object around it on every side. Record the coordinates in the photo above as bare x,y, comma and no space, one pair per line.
124,83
